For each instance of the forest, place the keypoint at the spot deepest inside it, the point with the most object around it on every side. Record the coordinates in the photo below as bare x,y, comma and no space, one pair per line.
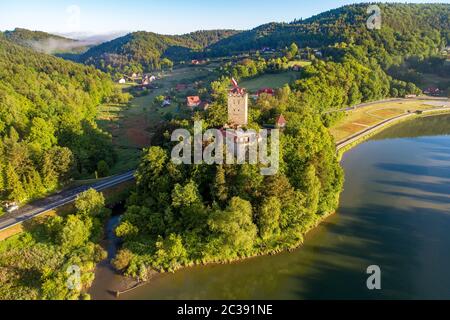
145,51
48,132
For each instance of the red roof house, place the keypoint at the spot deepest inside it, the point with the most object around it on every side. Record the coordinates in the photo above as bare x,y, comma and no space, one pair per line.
268,91
193,101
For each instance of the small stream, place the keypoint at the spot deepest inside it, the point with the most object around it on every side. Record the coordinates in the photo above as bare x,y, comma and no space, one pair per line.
105,275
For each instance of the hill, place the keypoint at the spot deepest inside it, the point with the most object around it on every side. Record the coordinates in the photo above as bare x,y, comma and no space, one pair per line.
143,51
44,42
47,129
406,29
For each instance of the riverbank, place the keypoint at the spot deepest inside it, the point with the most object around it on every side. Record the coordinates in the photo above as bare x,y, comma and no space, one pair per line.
352,141
119,284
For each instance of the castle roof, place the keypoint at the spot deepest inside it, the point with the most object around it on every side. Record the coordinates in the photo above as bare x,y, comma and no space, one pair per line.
281,121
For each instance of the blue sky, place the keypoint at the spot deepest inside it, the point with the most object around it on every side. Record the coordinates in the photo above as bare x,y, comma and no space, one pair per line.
161,16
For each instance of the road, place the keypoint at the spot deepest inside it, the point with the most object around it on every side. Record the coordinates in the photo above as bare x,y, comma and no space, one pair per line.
58,200
357,136
368,104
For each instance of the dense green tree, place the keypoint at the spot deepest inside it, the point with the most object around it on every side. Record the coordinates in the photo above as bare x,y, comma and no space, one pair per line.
269,218
90,203
103,169
235,225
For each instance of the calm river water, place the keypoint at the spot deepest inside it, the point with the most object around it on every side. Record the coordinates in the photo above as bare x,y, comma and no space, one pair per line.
394,213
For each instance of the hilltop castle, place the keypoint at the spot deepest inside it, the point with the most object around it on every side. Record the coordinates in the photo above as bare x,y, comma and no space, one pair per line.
237,107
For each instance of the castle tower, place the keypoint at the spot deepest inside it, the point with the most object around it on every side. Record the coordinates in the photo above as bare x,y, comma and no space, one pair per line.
238,106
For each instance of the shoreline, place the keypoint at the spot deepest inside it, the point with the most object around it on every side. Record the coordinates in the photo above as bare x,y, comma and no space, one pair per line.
127,284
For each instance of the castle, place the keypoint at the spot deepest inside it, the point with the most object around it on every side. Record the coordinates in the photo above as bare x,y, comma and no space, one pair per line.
237,107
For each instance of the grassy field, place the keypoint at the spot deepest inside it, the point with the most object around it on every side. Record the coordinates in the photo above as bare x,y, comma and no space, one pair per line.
363,118
131,126
276,80
302,63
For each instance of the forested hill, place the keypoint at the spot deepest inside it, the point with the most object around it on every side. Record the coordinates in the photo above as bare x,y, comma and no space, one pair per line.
143,51
406,29
43,42
47,130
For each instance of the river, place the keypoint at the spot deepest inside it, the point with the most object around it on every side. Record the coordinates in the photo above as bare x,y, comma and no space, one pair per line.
394,213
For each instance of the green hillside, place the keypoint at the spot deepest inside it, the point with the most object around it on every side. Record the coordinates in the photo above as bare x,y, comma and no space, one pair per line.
47,130
406,29
143,51
44,42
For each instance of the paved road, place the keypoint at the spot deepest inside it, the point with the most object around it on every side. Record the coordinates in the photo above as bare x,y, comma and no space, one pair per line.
357,136
368,104
58,200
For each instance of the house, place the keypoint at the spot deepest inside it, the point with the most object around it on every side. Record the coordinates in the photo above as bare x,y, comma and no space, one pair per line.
296,67
167,102
281,122
268,91
433,91
318,53
198,62
193,101
135,76
122,81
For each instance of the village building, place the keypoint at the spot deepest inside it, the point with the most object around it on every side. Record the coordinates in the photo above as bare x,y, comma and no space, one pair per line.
166,102
198,62
433,91
268,91
122,81
193,102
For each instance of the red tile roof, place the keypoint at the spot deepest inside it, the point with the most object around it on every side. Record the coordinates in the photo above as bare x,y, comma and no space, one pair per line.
269,91
193,101
281,121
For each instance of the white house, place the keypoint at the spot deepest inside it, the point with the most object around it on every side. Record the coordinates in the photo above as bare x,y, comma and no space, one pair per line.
122,81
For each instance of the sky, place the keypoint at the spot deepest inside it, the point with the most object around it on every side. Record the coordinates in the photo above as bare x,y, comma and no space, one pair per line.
160,16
